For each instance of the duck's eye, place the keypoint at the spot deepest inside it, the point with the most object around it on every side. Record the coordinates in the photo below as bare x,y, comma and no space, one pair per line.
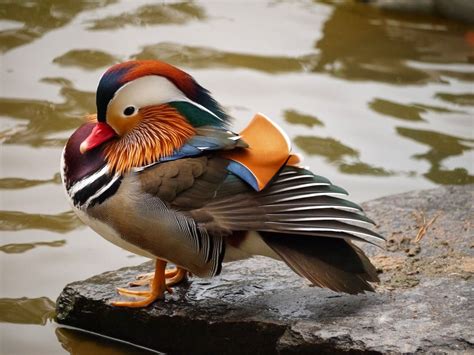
129,110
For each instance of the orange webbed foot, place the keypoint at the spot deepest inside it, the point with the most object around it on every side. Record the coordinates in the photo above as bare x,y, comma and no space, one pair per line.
157,289
145,279
142,279
159,281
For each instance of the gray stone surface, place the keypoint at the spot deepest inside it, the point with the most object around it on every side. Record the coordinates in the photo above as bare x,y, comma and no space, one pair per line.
423,304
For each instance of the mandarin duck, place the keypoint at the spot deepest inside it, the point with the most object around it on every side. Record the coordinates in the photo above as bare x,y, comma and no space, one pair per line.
158,172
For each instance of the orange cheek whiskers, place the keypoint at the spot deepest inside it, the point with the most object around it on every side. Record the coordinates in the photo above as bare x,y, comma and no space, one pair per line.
159,133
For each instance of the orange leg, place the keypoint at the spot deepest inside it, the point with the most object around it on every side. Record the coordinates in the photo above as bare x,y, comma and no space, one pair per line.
145,279
157,289
179,276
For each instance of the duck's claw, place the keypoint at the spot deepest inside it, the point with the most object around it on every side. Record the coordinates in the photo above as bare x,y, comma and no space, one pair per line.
139,304
157,289
159,281
141,282
145,279
142,279
134,293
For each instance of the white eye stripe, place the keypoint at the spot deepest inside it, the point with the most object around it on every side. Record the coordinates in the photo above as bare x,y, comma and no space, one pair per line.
145,91
149,90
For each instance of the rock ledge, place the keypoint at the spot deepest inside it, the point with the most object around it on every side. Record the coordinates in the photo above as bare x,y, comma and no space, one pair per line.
424,303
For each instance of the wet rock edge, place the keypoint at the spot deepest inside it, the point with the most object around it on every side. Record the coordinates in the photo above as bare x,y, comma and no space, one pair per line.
252,322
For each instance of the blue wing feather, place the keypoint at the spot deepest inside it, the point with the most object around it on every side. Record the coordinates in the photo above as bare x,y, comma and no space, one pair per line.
206,139
212,139
244,173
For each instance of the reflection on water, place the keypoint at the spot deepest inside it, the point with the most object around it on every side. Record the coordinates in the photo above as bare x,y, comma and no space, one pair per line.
16,221
466,99
295,117
337,153
147,15
205,57
80,343
26,310
414,112
379,102
38,17
19,183
360,168
442,146
21,248
330,148
403,112
363,43
40,119
439,109
85,58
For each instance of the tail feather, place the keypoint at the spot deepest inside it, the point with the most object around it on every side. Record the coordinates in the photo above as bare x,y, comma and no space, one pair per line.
325,226
333,263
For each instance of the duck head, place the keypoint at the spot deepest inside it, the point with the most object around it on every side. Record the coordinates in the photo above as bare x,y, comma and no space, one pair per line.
146,110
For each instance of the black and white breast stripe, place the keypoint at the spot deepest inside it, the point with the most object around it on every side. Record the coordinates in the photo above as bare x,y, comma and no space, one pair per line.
94,189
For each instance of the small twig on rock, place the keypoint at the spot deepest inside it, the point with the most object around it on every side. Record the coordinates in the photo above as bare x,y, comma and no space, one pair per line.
424,225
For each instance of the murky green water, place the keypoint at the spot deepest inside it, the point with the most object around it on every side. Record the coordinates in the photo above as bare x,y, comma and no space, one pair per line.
378,102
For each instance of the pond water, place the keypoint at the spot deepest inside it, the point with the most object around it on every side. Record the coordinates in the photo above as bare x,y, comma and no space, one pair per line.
378,102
